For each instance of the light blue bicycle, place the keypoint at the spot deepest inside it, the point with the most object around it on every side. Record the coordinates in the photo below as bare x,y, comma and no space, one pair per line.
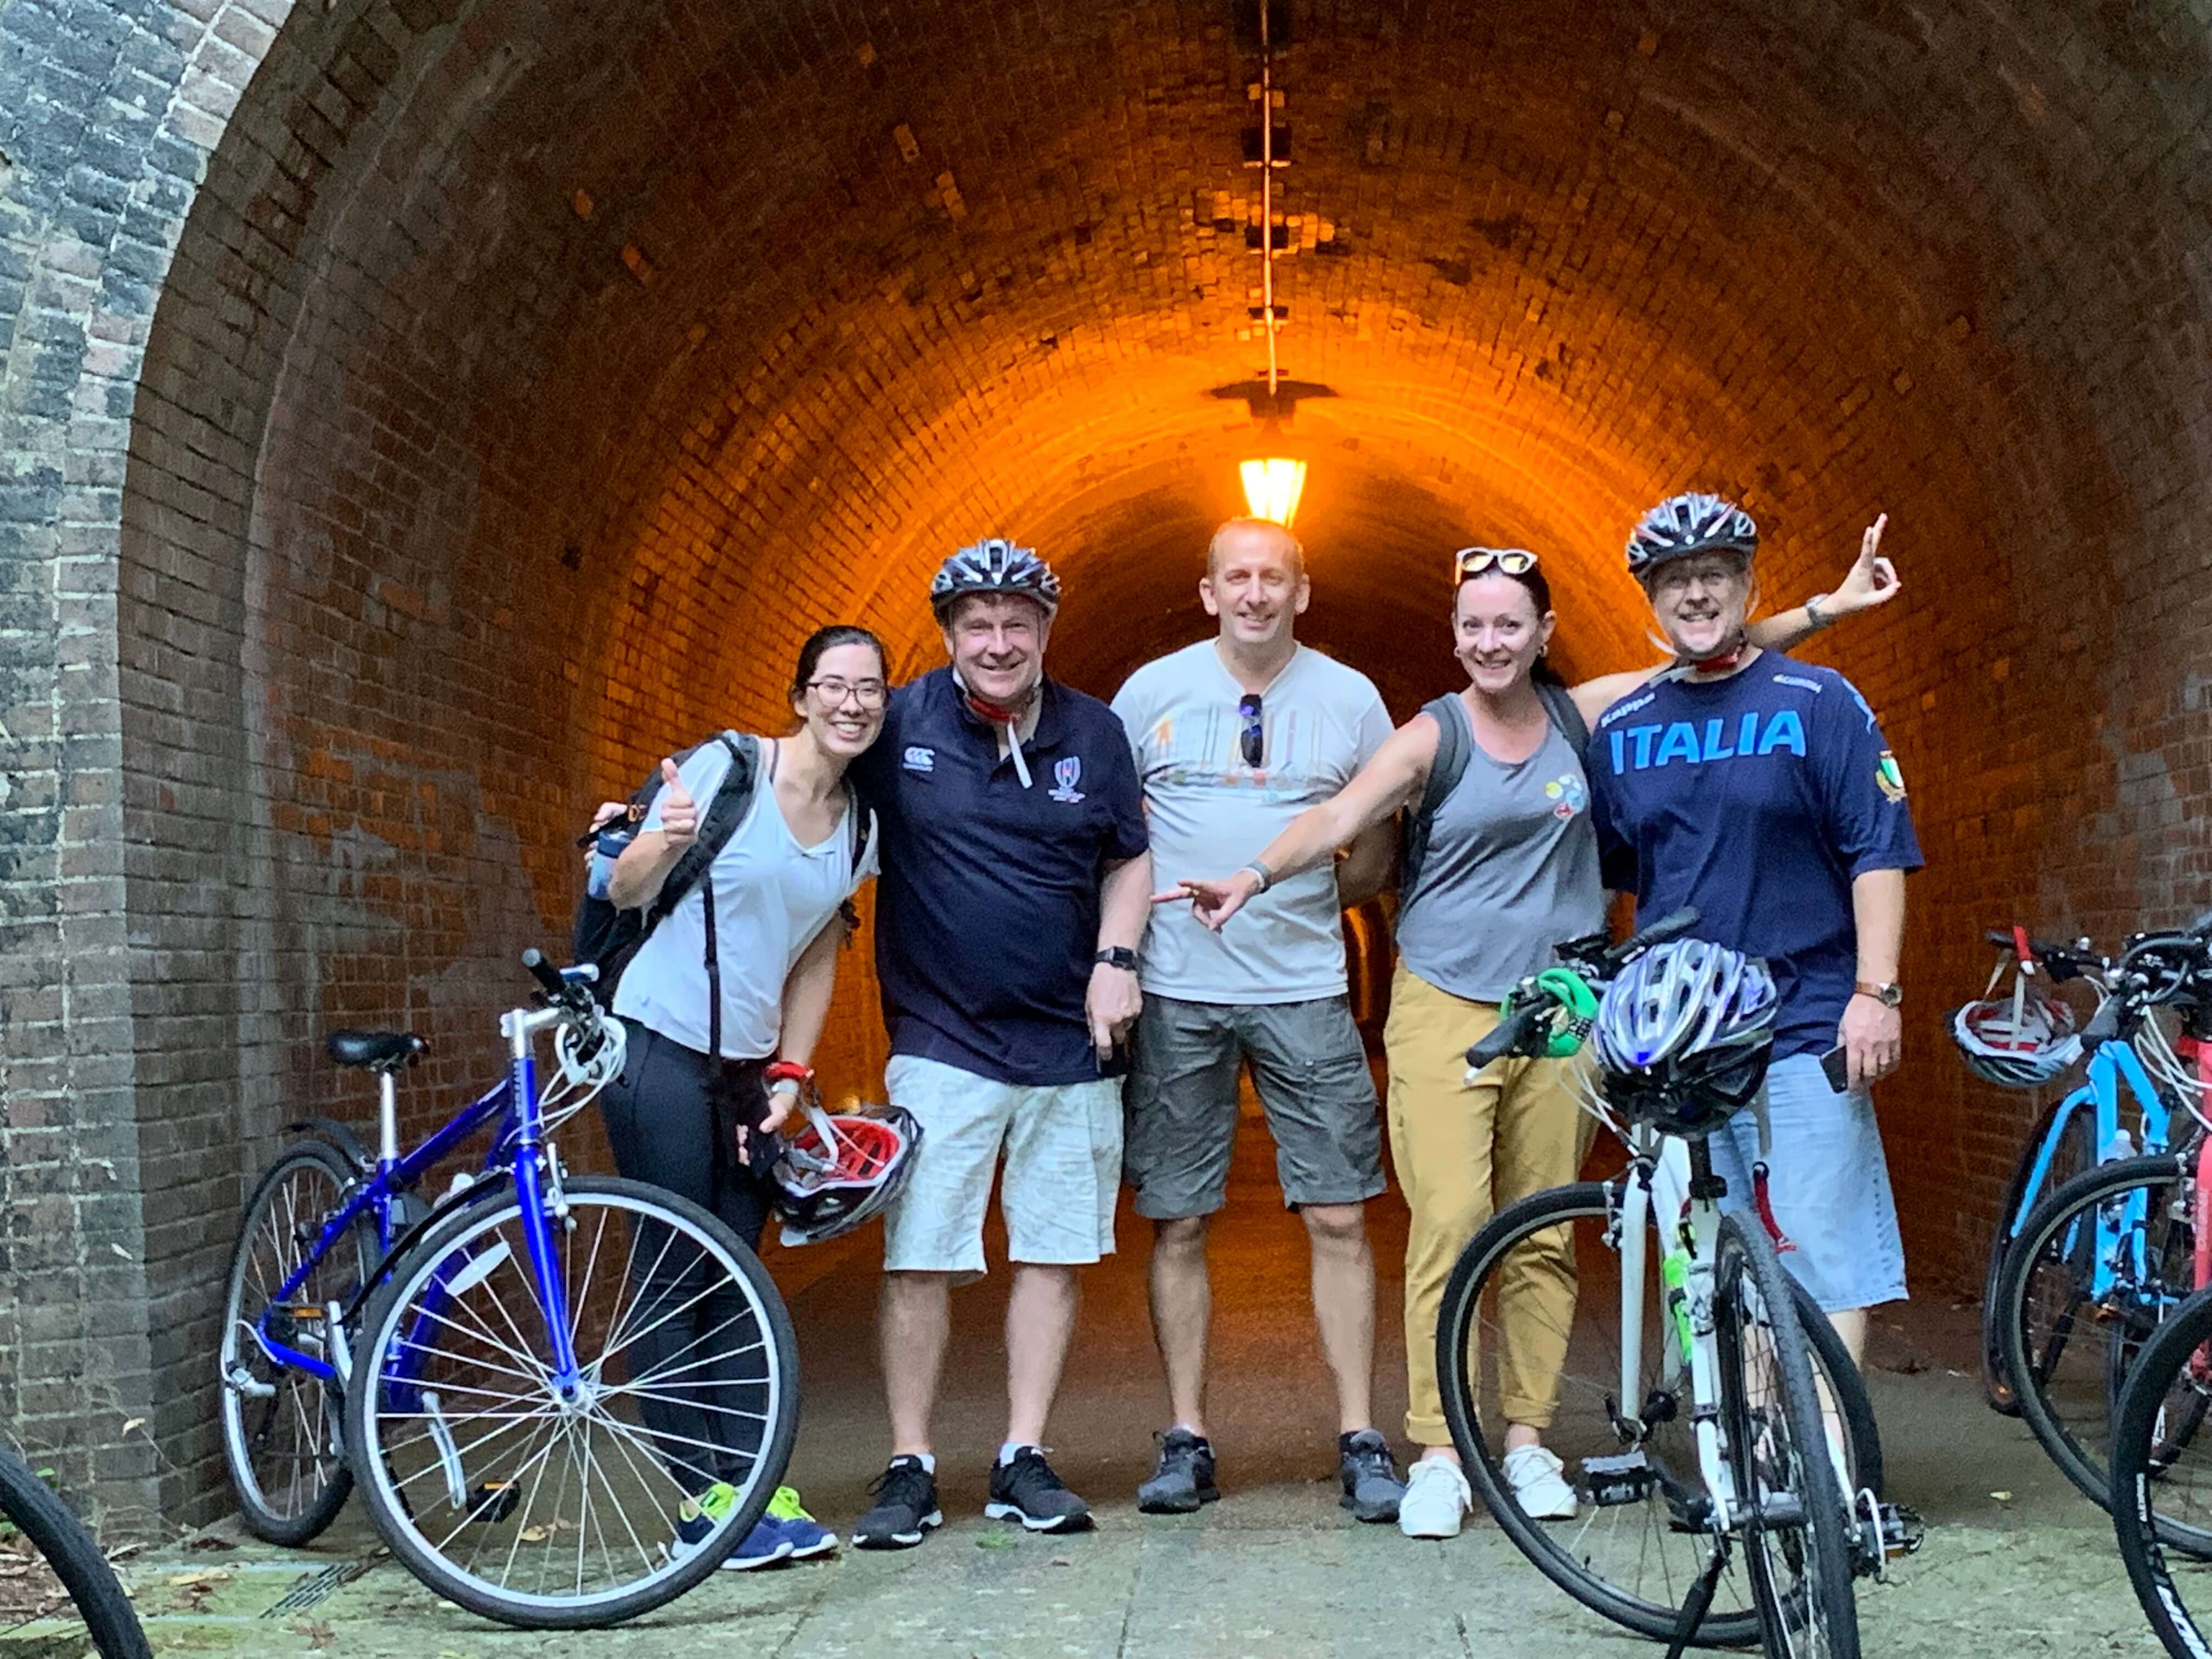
2100,1262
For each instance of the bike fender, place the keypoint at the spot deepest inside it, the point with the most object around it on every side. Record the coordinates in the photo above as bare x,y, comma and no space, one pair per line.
339,1135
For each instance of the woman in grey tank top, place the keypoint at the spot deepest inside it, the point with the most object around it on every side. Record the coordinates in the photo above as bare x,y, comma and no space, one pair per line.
1511,869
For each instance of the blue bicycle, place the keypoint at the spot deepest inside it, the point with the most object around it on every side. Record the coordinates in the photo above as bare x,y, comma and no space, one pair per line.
2099,1264
564,1399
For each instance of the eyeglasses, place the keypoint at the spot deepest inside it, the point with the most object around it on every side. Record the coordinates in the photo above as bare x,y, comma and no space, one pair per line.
1474,561
870,693
1252,740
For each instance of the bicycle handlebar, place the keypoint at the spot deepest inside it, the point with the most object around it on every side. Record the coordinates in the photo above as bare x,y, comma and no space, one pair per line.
1596,960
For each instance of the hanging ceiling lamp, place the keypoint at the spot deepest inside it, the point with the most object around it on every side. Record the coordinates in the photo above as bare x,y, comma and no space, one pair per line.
1271,488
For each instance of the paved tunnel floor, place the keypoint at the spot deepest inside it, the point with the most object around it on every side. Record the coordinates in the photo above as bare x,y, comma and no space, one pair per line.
1274,1569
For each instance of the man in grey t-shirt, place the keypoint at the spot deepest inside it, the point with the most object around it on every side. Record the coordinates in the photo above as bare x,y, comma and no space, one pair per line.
1234,737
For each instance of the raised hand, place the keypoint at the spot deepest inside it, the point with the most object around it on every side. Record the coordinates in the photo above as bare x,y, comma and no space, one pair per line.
679,813
1873,580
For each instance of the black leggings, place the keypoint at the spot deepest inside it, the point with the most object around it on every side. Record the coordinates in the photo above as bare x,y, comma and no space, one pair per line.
671,1118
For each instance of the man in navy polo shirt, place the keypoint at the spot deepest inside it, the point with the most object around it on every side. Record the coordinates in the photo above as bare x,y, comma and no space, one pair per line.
1761,790
1016,887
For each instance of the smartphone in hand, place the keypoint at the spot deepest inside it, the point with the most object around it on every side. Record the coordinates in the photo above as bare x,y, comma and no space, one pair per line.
1835,1066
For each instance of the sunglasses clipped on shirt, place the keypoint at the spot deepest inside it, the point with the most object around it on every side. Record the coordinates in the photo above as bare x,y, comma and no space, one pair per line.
1252,741
1474,561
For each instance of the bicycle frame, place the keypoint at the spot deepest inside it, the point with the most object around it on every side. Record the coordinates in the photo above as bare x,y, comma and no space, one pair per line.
515,1145
1665,1179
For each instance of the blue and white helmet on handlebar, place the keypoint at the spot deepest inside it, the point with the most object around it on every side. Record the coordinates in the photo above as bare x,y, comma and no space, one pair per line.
1684,1034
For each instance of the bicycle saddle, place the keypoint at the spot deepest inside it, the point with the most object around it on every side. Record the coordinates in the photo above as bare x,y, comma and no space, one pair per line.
380,1051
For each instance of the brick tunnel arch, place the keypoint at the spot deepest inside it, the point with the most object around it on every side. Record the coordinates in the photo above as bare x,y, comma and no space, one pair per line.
530,376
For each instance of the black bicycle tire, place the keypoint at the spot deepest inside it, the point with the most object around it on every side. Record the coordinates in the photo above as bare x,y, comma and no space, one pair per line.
2132,1497
76,1558
263,1522
1827,1514
1997,1386
776,1444
2085,1190
1455,1313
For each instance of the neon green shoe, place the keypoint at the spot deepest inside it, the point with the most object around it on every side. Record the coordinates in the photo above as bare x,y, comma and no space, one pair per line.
697,1518
806,1536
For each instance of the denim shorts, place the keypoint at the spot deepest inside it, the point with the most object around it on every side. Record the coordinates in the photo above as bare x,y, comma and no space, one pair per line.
1309,1070
1828,1184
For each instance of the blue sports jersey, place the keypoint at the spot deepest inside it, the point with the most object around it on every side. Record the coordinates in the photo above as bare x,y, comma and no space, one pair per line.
987,909
1756,799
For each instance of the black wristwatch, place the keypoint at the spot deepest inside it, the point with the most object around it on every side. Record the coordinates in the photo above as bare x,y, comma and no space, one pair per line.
1118,955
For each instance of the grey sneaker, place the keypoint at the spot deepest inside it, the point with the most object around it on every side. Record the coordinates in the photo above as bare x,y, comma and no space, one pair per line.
1371,1485
906,1508
1184,1478
1027,1491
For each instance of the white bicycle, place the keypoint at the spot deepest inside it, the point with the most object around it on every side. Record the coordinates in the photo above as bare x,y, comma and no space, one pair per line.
1687,1386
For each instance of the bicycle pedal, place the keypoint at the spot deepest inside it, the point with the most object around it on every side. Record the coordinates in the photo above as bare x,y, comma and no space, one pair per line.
492,1501
1616,1482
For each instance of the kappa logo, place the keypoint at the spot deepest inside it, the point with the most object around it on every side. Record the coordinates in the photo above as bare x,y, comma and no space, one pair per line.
1065,777
918,759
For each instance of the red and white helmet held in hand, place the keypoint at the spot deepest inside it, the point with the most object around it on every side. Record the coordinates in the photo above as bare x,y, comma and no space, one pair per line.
2021,1040
841,1170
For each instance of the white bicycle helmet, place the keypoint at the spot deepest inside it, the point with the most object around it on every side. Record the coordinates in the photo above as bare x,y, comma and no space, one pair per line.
1683,525
994,565
1684,1034
2022,1040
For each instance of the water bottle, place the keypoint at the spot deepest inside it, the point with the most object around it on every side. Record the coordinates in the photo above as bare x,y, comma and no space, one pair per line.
1675,1274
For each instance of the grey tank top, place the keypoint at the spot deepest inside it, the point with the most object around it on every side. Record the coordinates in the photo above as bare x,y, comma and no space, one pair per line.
1512,871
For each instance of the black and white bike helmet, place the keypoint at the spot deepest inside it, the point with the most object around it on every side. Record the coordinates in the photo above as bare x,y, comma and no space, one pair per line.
843,1170
994,565
1683,525
1684,1034
2019,1040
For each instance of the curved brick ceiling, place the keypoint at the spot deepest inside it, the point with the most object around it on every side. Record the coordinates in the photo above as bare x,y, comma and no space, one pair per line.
531,376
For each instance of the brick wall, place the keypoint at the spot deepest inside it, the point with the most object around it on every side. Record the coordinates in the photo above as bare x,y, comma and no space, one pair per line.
398,455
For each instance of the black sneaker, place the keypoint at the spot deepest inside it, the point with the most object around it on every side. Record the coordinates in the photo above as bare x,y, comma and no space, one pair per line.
906,1508
1184,1478
1372,1484
1027,1491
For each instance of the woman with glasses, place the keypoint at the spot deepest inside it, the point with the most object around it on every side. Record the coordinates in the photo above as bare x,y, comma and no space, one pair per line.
727,997
1509,868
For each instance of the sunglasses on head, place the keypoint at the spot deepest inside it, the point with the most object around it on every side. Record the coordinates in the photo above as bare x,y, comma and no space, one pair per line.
1252,741
1474,561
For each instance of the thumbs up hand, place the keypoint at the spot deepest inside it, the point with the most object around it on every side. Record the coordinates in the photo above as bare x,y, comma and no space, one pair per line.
679,813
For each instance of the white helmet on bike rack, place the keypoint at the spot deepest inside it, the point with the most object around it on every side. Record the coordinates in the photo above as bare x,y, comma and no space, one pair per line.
1684,1034
2022,1041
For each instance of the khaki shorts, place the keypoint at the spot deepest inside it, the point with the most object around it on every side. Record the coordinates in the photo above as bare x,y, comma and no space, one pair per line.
1062,1147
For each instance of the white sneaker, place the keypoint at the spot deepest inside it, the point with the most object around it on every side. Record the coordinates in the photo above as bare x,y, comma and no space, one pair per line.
1538,1486
1437,1495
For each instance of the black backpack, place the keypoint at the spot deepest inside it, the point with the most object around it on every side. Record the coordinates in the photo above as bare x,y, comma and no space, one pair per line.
1450,765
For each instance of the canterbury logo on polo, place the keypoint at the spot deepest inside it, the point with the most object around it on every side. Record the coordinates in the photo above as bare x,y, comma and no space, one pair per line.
918,758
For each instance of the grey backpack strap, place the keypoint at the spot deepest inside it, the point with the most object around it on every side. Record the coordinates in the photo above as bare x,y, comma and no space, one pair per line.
1444,773
1559,703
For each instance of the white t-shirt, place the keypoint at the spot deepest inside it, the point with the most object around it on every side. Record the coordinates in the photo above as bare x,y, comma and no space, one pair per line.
1209,812
771,897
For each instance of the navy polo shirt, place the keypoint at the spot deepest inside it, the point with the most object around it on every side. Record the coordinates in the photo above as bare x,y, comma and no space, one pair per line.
987,911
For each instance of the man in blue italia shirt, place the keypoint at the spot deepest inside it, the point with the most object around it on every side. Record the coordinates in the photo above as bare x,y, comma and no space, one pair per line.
1761,790
1016,886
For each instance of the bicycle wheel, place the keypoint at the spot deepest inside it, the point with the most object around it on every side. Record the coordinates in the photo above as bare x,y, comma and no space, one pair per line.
2068,1340
559,1509
75,1557
2074,1155
2161,1482
283,1433
1795,1527
1632,1550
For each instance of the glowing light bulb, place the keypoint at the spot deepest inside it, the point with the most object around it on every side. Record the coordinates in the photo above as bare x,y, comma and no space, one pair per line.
1271,489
